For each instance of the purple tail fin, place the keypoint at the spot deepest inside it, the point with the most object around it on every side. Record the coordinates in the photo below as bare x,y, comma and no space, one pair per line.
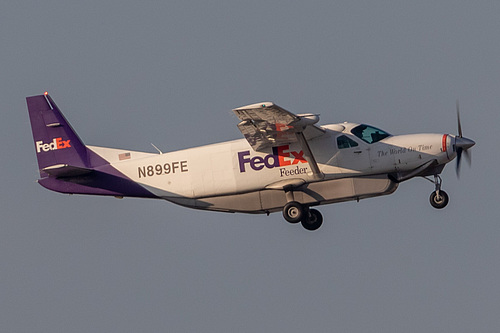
56,143
65,163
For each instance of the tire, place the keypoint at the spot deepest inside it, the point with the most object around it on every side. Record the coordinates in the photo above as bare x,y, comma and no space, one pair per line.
439,202
313,220
293,212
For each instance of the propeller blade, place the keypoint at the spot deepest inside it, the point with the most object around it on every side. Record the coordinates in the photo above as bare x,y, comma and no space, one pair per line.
462,144
458,119
459,158
468,157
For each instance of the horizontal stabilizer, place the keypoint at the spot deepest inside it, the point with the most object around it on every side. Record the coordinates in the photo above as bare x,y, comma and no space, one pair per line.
64,170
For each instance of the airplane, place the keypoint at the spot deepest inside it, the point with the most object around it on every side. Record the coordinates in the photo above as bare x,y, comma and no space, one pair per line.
286,162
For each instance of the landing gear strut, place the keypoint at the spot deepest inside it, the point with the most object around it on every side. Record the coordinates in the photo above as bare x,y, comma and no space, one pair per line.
439,198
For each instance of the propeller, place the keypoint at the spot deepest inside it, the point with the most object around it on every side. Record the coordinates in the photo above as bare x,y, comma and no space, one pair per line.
462,144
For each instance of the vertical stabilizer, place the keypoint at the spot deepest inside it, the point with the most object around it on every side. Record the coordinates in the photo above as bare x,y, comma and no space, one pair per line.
56,143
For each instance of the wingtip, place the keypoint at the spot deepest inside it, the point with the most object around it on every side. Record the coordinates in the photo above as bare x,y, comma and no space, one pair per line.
255,106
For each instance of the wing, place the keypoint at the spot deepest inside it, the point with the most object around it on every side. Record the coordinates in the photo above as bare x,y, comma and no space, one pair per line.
266,125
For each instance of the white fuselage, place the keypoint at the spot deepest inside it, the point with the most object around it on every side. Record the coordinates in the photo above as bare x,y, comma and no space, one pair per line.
233,167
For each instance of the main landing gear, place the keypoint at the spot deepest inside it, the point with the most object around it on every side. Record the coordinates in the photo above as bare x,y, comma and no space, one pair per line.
295,212
439,198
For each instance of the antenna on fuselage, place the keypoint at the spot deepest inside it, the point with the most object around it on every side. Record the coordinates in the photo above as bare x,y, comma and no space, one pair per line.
157,148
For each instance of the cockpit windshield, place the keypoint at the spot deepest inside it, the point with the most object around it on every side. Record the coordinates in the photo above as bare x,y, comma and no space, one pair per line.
369,134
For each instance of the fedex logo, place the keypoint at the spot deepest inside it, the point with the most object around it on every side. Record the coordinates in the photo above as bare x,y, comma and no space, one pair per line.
281,156
57,143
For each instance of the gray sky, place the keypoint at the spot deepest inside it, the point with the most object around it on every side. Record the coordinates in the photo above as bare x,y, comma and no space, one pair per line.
129,73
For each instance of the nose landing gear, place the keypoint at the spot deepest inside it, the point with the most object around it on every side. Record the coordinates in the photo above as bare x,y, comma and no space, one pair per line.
439,198
294,212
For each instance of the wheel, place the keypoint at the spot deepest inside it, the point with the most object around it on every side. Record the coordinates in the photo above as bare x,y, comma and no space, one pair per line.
313,220
439,201
293,212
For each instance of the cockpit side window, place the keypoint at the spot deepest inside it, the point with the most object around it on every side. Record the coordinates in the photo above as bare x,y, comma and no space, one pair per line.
369,134
344,142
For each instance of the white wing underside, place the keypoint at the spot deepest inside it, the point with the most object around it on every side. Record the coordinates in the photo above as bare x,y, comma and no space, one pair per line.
266,125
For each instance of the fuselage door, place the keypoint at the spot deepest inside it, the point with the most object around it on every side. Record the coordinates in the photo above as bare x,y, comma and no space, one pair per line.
353,155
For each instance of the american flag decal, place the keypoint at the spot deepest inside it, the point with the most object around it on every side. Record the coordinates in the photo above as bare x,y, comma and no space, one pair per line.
124,156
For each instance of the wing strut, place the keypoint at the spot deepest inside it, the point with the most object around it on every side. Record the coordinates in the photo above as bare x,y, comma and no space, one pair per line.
317,174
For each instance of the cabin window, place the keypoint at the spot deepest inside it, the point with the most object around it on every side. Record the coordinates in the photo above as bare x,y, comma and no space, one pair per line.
344,142
369,134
